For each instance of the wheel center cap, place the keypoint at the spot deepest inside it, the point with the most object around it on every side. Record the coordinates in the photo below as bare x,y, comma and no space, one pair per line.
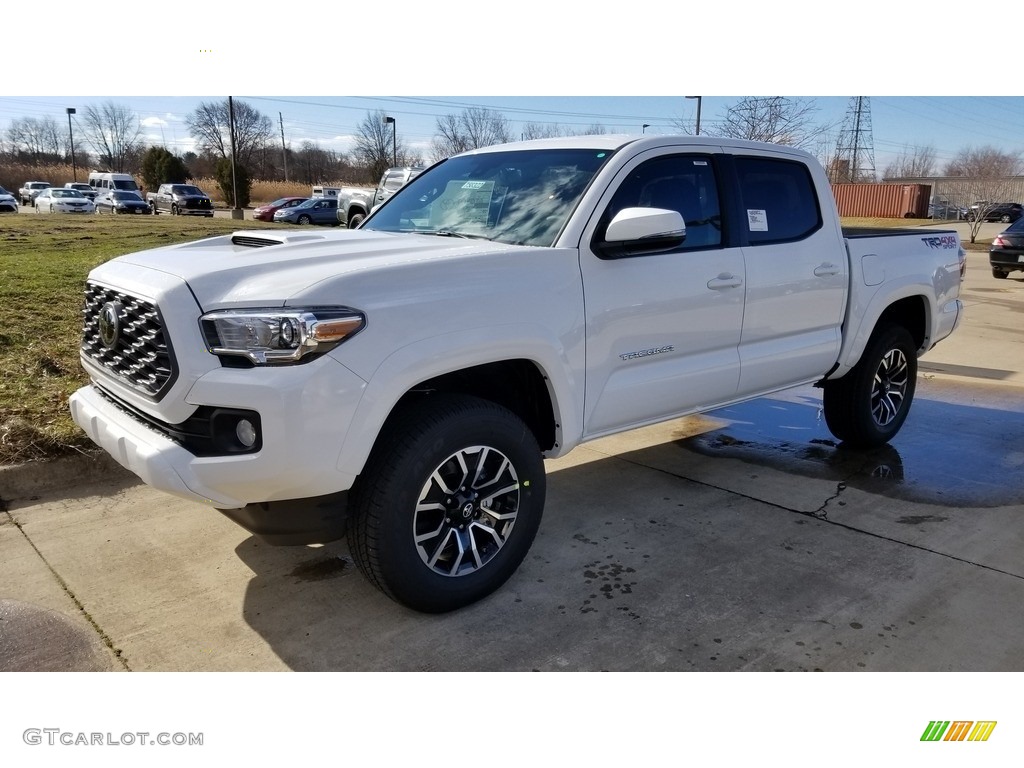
467,510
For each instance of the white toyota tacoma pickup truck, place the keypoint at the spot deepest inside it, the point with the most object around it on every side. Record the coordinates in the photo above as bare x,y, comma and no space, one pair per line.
403,382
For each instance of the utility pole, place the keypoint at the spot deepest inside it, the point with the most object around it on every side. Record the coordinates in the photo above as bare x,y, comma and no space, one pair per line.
71,138
284,150
698,98
236,212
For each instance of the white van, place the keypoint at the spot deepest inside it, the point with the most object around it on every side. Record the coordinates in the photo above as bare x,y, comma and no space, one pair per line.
105,182
326,191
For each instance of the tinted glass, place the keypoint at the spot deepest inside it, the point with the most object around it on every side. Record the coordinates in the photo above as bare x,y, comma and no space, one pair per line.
778,199
683,183
124,184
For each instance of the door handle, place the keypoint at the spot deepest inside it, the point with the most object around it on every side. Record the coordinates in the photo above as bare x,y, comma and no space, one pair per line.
826,270
724,280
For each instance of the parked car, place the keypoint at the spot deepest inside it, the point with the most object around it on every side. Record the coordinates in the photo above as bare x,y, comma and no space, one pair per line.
316,210
1004,212
121,201
59,200
944,210
30,189
84,188
266,212
8,202
1006,254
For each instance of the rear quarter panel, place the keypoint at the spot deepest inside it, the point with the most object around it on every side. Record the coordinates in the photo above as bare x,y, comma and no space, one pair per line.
888,266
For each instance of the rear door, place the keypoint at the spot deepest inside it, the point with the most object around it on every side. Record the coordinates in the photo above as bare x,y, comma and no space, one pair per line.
662,329
797,275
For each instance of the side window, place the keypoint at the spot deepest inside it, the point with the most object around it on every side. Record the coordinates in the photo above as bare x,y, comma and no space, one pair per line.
393,181
778,199
684,183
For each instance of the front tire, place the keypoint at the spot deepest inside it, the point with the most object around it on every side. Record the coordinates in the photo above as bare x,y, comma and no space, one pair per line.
867,407
999,273
449,503
303,220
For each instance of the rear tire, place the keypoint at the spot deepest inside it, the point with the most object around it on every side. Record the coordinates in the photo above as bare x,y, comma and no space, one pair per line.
355,220
867,407
448,504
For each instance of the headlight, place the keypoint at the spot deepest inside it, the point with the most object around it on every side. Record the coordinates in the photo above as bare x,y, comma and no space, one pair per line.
279,336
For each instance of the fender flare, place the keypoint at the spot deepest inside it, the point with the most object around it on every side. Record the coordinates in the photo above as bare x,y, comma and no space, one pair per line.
435,356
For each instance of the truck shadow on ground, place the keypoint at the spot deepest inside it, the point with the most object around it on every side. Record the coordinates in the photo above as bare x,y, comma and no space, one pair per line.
636,552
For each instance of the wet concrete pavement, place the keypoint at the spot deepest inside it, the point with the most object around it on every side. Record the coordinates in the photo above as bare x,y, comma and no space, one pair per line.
745,539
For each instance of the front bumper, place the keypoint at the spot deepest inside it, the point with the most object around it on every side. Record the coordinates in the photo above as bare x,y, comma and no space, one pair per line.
305,412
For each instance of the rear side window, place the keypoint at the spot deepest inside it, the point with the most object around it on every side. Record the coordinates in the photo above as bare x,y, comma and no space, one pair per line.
779,200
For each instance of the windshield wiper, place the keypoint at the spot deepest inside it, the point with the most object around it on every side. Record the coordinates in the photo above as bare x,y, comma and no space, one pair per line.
451,233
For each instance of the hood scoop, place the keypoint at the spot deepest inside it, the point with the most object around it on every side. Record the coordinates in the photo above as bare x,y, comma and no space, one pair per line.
261,238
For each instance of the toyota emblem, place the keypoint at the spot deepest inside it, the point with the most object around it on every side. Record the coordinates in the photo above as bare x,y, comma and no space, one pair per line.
110,324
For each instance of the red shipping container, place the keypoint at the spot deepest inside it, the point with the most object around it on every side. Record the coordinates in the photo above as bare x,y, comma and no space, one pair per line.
883,201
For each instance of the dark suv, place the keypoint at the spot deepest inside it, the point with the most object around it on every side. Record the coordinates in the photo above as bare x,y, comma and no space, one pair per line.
1004,212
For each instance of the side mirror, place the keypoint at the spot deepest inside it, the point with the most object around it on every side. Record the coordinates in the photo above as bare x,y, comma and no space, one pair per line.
639,231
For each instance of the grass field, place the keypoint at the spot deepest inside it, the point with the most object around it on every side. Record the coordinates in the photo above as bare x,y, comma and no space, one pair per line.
43,265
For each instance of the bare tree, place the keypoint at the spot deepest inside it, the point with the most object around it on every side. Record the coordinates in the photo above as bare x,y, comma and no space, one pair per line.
376,144
210,125
471,129
38,140
114,132
984,162
912,163
541,131
594,129
775,119
988,177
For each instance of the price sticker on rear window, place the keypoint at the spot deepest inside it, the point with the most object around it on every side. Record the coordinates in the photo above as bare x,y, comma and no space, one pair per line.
757,219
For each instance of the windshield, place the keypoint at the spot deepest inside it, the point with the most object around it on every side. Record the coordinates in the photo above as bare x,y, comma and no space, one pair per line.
82,187
185,189
124,195
67,193
124,184
520,197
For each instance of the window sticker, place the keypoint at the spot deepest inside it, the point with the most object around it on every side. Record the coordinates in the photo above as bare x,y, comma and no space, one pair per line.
757,219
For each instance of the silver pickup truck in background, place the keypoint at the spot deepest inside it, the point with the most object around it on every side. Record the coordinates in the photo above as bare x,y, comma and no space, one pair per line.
356,203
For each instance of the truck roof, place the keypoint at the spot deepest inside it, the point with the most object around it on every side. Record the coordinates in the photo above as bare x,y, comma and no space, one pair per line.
612,141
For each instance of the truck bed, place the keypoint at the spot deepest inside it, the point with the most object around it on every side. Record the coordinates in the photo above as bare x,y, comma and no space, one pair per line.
851,232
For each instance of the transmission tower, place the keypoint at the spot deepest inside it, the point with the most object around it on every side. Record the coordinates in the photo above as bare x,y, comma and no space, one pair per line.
855,154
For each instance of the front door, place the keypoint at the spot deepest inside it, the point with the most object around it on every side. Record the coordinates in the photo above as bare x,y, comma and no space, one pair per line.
662,330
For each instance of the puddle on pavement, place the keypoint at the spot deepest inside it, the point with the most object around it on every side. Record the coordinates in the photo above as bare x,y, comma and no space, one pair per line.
946,454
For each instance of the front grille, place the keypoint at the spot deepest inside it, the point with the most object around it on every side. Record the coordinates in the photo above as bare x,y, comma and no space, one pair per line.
139,354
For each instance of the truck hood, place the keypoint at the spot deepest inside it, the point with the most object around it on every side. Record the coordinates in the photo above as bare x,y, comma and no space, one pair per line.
265,268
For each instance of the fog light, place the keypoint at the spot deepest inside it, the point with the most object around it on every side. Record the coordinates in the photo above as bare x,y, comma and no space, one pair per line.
245,431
